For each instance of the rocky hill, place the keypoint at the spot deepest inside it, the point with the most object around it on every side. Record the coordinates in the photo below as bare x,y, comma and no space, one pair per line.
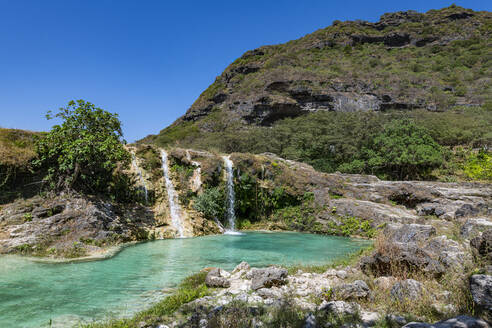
407,60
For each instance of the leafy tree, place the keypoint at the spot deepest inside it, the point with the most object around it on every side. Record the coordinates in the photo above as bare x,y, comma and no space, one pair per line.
83,152
404,151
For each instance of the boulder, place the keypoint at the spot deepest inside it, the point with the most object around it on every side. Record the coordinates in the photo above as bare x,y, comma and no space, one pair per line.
342,274
339,308
474,226
483,244
369,319
385,282
409,257
481,291
396,320
266,278
216,278
269,293
447,251
406,290
243,266
461,321
409,233
310,321
356,290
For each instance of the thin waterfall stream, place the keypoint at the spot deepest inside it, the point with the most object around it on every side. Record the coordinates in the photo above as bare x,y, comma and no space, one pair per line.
231,197
172,196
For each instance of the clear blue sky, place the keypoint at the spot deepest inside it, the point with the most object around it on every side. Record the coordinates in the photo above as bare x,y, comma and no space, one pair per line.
147,60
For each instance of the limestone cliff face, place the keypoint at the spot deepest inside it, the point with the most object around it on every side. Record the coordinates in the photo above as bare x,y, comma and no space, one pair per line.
406,60
271,193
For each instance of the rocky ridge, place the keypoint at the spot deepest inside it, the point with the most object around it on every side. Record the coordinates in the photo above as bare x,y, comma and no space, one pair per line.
349,66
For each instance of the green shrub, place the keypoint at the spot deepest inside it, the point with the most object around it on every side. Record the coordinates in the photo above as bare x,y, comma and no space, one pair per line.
211,203
478,166
27,217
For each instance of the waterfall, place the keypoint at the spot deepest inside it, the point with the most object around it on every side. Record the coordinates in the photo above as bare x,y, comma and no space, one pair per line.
140,178
172,197
231,216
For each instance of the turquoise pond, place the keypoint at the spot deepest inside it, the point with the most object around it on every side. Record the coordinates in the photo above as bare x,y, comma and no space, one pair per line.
33,293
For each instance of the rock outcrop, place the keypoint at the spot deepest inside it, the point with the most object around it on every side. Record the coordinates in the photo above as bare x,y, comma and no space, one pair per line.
217,278
69,226
344,68
316,300
267,278
407,290
481,291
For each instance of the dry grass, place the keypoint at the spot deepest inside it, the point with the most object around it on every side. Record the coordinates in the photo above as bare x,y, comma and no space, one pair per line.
441,298
16,147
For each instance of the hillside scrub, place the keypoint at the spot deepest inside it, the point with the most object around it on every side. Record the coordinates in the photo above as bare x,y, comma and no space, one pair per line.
351,142
16,154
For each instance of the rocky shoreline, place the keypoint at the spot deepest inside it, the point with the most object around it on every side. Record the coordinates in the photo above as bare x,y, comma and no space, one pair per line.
393,286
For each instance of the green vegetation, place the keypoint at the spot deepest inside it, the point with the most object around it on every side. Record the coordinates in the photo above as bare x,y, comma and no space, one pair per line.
479,166
438,84
151,161
83,152
402,150
190,289
423,143
16,154
211,203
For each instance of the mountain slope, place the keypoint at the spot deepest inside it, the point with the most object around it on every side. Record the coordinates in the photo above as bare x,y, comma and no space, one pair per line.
408,60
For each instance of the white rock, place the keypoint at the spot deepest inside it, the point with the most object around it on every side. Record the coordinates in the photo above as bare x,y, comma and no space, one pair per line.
342,274
203,323
369,319
385,282
269,293
243,297
330,273
243,266
339,307
255,299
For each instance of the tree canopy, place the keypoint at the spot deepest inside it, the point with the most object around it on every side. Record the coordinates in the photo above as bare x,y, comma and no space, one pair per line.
83,151
404,150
